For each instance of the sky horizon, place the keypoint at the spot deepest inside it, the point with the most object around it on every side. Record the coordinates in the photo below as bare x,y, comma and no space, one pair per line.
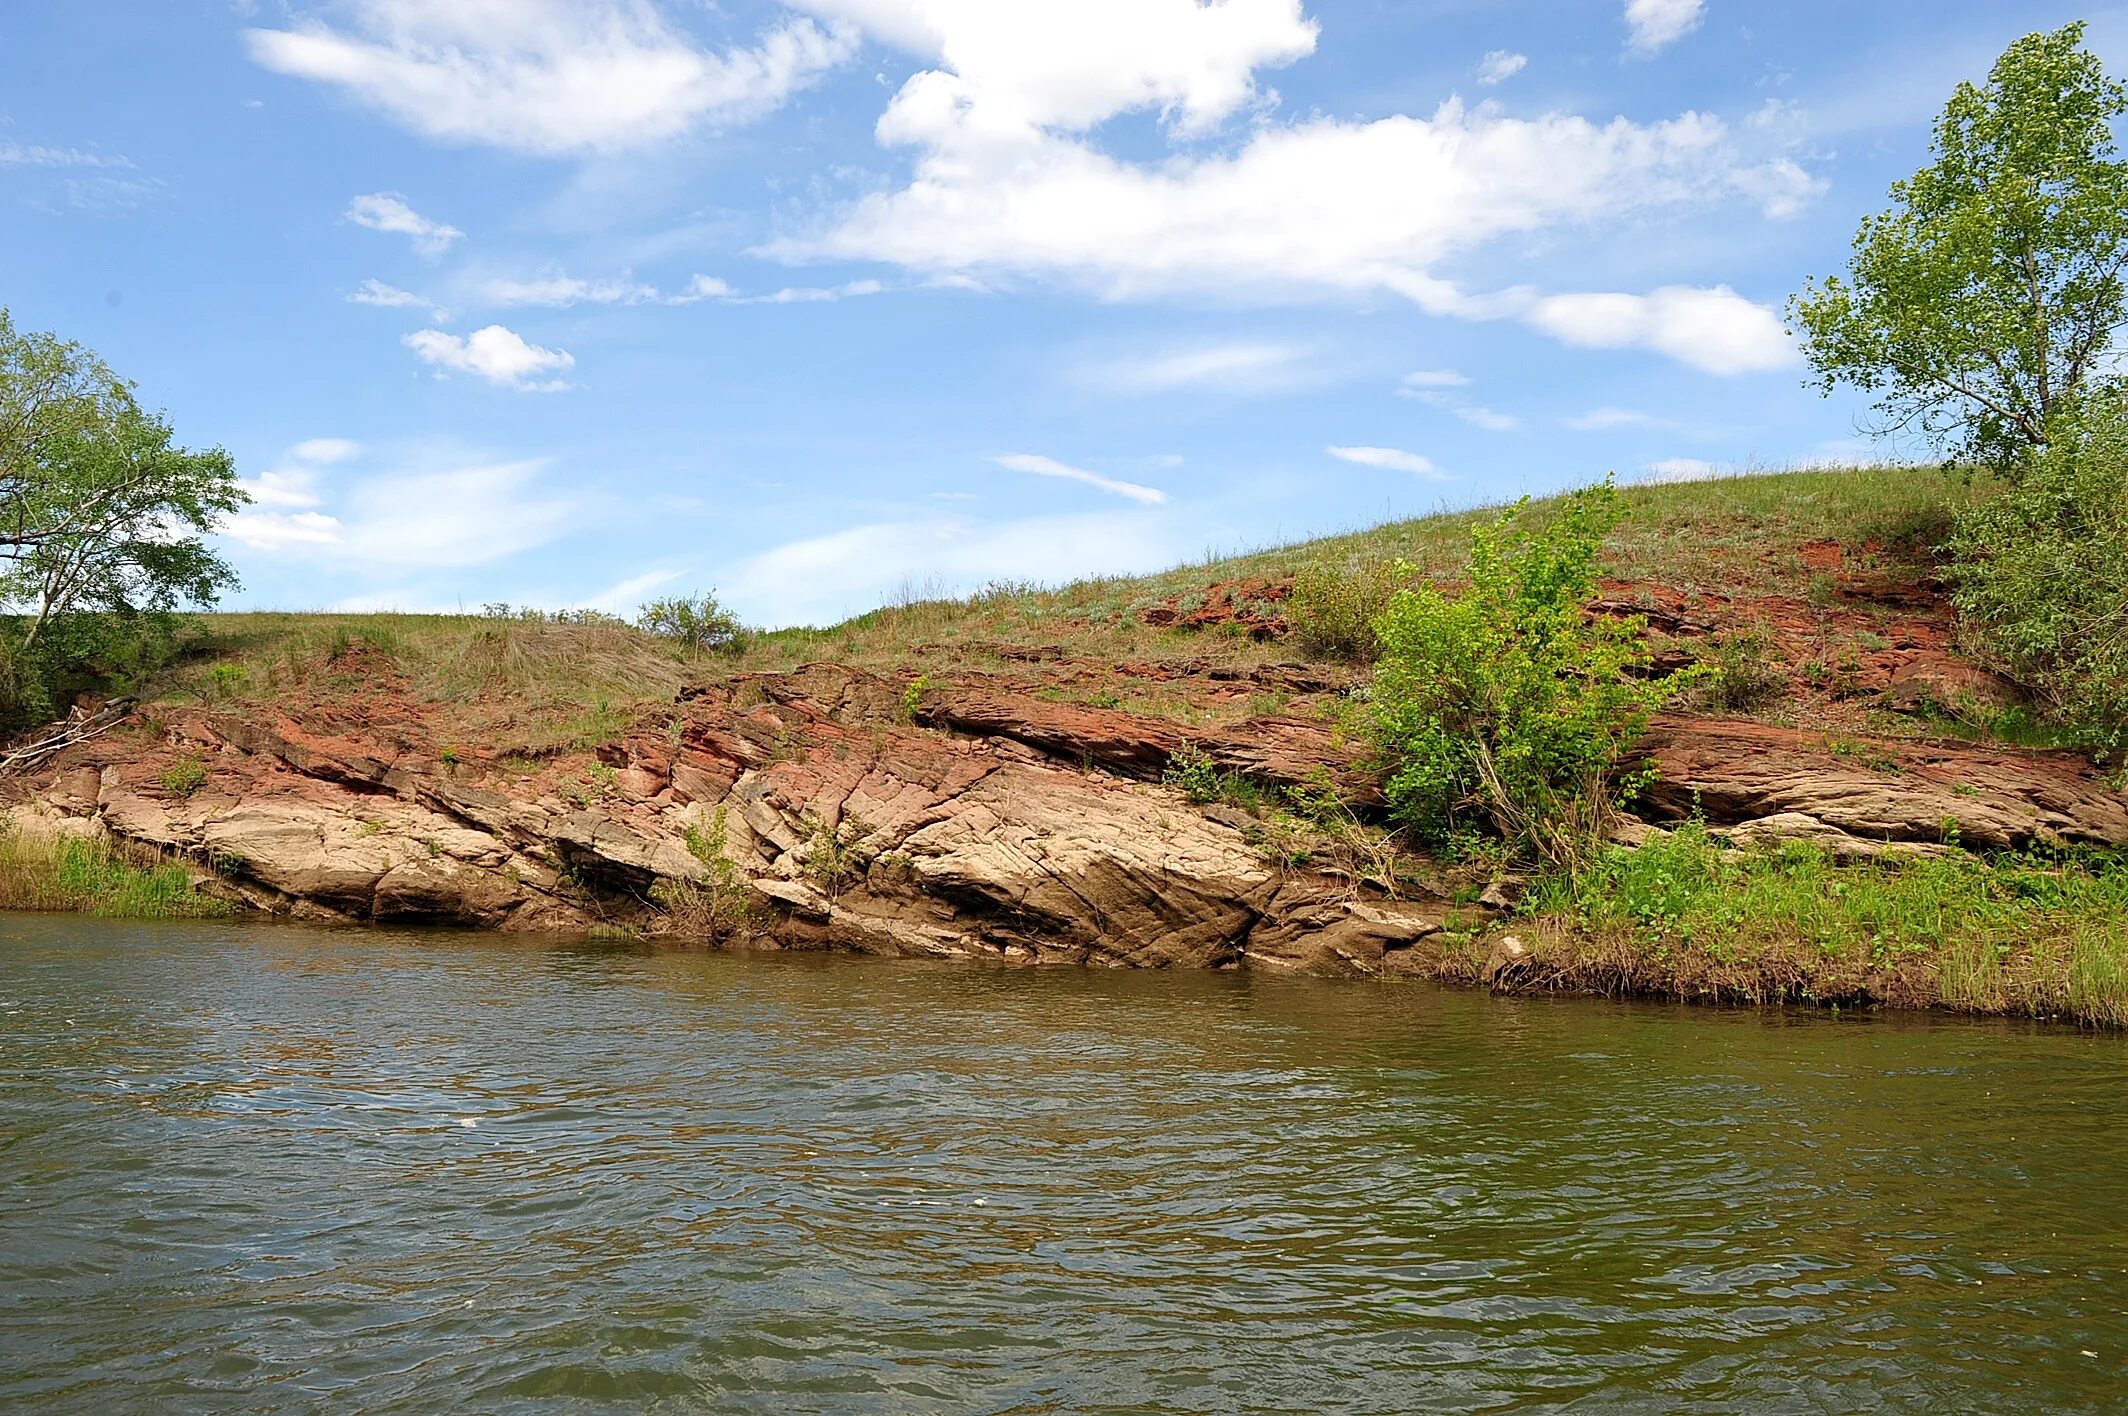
571,303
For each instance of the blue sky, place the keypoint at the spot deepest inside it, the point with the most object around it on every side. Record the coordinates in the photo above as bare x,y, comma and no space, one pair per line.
569,302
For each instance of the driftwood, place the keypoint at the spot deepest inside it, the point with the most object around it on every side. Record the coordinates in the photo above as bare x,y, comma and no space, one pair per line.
76,727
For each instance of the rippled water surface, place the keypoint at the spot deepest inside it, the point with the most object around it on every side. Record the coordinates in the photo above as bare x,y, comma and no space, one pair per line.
255,1169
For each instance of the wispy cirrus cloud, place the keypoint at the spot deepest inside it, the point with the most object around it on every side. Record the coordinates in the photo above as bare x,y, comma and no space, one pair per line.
1035,465
1389,459
389,212
548,77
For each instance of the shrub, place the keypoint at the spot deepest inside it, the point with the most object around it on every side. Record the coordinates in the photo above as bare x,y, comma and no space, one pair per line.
717,907
2039,573
184,777
1332,611
1509,709
1744,675
698,623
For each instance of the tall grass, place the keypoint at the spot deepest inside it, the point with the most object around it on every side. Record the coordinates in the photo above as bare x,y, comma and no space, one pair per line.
97,877
2023,934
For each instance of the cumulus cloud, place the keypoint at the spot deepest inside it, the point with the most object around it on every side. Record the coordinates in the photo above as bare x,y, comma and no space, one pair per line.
1038,466
1238,366
499,355
1652,25
1716,330
1500,65
824,578
1006,70
1389,459
388,211
550,77
1306,207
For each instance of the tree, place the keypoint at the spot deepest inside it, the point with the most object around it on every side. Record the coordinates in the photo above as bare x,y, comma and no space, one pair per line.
1987,299
101,514
1508,710
2039,573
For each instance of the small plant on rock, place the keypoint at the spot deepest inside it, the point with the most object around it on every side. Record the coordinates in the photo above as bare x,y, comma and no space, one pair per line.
184,777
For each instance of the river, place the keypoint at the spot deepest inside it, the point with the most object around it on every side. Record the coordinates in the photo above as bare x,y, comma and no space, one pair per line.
272,1169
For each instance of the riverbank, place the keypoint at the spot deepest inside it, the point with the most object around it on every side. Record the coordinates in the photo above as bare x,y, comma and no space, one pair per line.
1161,772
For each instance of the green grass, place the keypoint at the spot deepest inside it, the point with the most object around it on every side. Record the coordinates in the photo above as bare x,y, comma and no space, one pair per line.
2028,935
96,877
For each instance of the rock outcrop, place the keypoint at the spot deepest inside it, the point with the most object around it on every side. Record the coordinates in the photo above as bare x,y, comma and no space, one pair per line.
998,824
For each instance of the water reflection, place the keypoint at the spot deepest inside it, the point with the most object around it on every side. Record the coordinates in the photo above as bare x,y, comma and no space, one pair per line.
275,1169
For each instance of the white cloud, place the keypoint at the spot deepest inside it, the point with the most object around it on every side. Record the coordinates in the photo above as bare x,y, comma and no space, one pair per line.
1038,466
1436,389
499,355
388,211
1389,459
626,597
557,290
1598,420
809,294
1243,366
1067,65
1500,65
439,514
1655,24
1681,469
703,287
1432,378
291,487
825,578
323,452
37,155
1490,419
552,77
1780,187
391,297
1314,207
1717,330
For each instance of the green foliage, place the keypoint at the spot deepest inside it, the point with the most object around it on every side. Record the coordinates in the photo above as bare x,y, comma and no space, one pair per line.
1509,709
699,623
2025,933
184,777
1988,296
98,877
1333,608
1193,773
102,518
1745,675
2039,574
912,697
718,906
835,856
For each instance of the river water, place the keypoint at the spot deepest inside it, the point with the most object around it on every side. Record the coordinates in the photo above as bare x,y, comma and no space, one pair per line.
263,1169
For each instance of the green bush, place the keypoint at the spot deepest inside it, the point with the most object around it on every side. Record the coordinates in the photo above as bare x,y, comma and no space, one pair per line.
1509,709
184,777
698,623
1332,610
2039,574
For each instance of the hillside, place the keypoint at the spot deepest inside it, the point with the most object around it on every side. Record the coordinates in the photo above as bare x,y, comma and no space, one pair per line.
984,777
